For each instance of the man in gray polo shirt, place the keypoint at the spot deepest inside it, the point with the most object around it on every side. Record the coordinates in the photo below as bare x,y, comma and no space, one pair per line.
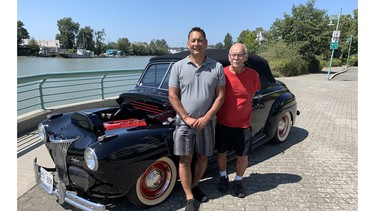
196,92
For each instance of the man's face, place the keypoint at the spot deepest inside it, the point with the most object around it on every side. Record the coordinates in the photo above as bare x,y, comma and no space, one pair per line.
197,44
237,55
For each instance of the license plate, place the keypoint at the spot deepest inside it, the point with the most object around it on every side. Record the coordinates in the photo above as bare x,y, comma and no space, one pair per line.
47,179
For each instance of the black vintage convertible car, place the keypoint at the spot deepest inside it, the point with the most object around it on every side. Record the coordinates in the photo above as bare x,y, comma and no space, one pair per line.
127,150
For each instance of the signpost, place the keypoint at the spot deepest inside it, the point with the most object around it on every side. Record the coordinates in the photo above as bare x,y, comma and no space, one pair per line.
334,42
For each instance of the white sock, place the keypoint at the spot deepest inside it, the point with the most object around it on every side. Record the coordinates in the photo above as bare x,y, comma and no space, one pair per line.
238,178
223,173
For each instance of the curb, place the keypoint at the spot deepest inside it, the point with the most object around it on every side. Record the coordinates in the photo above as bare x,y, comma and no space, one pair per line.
338,73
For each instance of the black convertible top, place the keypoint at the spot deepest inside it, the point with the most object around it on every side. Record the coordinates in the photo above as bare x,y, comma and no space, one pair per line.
221,55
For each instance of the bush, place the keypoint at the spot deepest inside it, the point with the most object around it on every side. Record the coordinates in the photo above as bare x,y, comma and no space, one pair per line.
353,60
335,63
323,64
284,60
288,67
314,65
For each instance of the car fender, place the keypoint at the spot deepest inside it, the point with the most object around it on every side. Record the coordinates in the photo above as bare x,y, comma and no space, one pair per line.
123,159
285,102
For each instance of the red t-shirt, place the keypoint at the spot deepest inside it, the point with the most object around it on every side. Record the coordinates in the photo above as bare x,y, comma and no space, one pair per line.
239,92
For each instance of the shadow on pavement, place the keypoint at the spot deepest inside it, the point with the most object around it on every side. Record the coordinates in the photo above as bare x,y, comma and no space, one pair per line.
270,149
260,182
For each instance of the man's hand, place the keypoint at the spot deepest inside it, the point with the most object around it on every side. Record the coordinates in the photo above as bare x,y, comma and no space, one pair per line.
189,121
200,123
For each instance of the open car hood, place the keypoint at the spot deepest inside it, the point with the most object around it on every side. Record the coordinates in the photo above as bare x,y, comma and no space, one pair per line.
148,96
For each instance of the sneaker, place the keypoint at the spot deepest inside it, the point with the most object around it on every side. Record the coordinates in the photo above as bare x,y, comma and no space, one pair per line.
199,195
190,205
223,184
238,188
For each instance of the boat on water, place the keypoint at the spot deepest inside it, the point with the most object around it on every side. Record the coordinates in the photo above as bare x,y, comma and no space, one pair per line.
114,53
45,53
81,53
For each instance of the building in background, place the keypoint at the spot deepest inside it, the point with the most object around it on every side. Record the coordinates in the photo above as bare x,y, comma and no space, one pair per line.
46,47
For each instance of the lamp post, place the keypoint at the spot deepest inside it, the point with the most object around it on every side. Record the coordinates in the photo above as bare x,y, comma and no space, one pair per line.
350,45
333,48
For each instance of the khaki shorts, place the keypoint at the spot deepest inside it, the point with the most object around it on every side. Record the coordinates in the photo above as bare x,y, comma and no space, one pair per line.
187,140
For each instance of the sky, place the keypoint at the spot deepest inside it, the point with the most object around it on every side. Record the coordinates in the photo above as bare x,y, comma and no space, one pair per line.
171,20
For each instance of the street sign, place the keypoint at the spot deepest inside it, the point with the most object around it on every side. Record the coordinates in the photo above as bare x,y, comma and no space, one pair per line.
336,34
335,39
334,45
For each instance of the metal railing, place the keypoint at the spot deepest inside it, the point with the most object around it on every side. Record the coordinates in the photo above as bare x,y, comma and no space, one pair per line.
54,89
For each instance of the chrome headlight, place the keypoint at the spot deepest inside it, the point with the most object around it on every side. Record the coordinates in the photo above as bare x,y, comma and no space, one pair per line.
90,159
42,132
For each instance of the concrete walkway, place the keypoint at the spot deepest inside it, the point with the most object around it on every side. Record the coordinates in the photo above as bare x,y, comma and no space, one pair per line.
316,169
29,147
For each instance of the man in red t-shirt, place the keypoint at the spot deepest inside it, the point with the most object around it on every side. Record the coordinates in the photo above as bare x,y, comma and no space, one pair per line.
233,129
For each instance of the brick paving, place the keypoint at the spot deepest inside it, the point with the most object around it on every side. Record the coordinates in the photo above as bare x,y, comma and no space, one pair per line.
316,169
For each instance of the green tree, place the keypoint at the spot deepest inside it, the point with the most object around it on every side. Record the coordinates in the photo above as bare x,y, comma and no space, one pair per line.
22,33
68,32
139,48
111,45
348,28
228,41
152,47
33,47
249,40
123,44
161,47
306,28
85,38
99,41
219,45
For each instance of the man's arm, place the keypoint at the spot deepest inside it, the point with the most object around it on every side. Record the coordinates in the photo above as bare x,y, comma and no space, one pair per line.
202,121
177,105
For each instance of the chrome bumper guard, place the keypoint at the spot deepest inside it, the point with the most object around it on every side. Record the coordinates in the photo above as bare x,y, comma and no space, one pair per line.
66,196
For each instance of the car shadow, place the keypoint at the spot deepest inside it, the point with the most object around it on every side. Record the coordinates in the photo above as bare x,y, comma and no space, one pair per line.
255,182
270,149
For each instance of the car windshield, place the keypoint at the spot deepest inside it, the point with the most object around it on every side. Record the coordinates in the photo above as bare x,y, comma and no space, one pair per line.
156,76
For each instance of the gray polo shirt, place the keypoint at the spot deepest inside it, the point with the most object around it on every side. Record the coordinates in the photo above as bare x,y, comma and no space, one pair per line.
197,85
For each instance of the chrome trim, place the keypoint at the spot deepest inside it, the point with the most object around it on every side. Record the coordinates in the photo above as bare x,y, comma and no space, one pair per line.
106,137
59,152
56,141
64,195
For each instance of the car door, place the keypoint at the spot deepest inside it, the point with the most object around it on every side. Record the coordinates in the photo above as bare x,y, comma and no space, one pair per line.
262,103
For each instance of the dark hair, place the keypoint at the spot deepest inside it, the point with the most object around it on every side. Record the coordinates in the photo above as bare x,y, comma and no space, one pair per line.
198,29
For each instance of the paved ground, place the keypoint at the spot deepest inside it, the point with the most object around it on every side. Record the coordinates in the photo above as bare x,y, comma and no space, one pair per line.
316,169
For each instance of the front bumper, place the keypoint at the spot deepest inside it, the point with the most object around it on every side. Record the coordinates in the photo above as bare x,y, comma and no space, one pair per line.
59,190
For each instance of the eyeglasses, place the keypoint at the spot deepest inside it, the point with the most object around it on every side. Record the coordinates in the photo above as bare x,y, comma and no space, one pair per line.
238,55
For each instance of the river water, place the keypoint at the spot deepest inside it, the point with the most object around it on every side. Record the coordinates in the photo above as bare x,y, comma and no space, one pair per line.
27,66
40,65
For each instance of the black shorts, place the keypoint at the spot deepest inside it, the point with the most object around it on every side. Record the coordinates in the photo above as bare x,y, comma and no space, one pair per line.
237,139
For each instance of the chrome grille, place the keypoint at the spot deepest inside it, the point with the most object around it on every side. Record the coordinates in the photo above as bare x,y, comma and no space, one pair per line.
59,152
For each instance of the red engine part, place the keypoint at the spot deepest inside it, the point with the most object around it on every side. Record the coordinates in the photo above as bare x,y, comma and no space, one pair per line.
110,125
